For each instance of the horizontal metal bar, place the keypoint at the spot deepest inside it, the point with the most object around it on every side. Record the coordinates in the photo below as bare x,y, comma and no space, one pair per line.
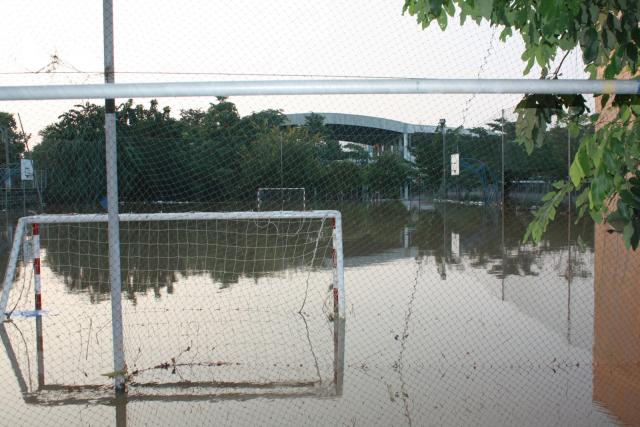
179,216
319,87
280,188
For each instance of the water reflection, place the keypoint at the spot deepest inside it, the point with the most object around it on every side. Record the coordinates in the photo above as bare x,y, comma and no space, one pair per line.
51,393
153,255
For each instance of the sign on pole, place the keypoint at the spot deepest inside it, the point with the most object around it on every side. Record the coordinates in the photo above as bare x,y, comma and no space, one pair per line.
455,164
455,245
26,169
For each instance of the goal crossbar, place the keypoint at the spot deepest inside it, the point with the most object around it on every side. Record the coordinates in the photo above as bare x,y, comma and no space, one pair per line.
319,87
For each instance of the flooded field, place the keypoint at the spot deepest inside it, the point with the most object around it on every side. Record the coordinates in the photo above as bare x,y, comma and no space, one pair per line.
450,320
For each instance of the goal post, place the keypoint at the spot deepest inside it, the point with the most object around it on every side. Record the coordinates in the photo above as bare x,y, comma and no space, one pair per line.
239,299
333,216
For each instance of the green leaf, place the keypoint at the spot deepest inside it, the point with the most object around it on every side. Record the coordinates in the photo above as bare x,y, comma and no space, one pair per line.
625,113
635,238
589,44
505,34
550,195
449,7
616,220
574,129
442,21
632,55
628,198
576,173
611,71
485,7
530,63
596,216
627,233
583,197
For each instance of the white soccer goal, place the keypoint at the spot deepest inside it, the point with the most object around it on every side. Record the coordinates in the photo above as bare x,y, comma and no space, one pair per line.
281,197
214,303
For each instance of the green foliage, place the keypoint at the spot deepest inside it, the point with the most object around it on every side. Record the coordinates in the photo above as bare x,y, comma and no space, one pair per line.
356,153
388,174
427,149
261,160
211,155
17,140
314,122
344,178
608,34
598,27
483,146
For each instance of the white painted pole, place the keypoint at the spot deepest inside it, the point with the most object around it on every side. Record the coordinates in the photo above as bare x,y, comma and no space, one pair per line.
319,87
339,265
175,216
112,202
10,272
37,282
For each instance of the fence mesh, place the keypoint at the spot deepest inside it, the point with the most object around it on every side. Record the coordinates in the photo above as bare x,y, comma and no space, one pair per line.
450,317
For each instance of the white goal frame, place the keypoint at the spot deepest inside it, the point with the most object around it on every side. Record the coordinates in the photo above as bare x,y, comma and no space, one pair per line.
262,189
333,218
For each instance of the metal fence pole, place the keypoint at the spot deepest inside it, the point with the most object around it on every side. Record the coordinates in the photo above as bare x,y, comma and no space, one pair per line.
502,207
112,202
443,123
4,135
569,272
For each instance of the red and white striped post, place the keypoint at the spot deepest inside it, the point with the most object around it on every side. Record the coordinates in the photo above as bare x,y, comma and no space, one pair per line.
338,304
334,260
37,285
36,266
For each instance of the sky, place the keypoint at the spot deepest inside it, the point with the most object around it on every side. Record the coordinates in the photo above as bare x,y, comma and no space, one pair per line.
160,40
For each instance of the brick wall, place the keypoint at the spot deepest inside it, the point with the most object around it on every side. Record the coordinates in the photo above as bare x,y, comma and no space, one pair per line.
616,352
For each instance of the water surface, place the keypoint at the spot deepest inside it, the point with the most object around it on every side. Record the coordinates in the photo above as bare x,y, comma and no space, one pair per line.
450,320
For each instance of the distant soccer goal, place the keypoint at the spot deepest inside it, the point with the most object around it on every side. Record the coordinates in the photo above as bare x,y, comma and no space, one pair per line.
214,303
281,197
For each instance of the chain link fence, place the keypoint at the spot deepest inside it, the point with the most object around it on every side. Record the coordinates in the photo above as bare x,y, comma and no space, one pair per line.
450,318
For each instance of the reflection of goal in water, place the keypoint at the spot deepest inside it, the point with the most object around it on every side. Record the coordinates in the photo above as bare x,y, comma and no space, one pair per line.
224,305
281,197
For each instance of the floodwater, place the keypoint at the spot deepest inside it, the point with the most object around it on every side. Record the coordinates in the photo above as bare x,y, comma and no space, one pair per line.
450,320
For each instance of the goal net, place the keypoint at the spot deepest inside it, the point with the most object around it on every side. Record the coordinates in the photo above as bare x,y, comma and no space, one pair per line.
225,304
281,198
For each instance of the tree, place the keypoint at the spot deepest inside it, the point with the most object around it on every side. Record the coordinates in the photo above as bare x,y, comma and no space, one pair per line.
72,151
356,153
17,140
605,166
344,178
211,155
315,123
388,174
329,148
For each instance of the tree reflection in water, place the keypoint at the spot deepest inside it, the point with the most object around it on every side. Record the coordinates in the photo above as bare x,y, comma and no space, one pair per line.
155,254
